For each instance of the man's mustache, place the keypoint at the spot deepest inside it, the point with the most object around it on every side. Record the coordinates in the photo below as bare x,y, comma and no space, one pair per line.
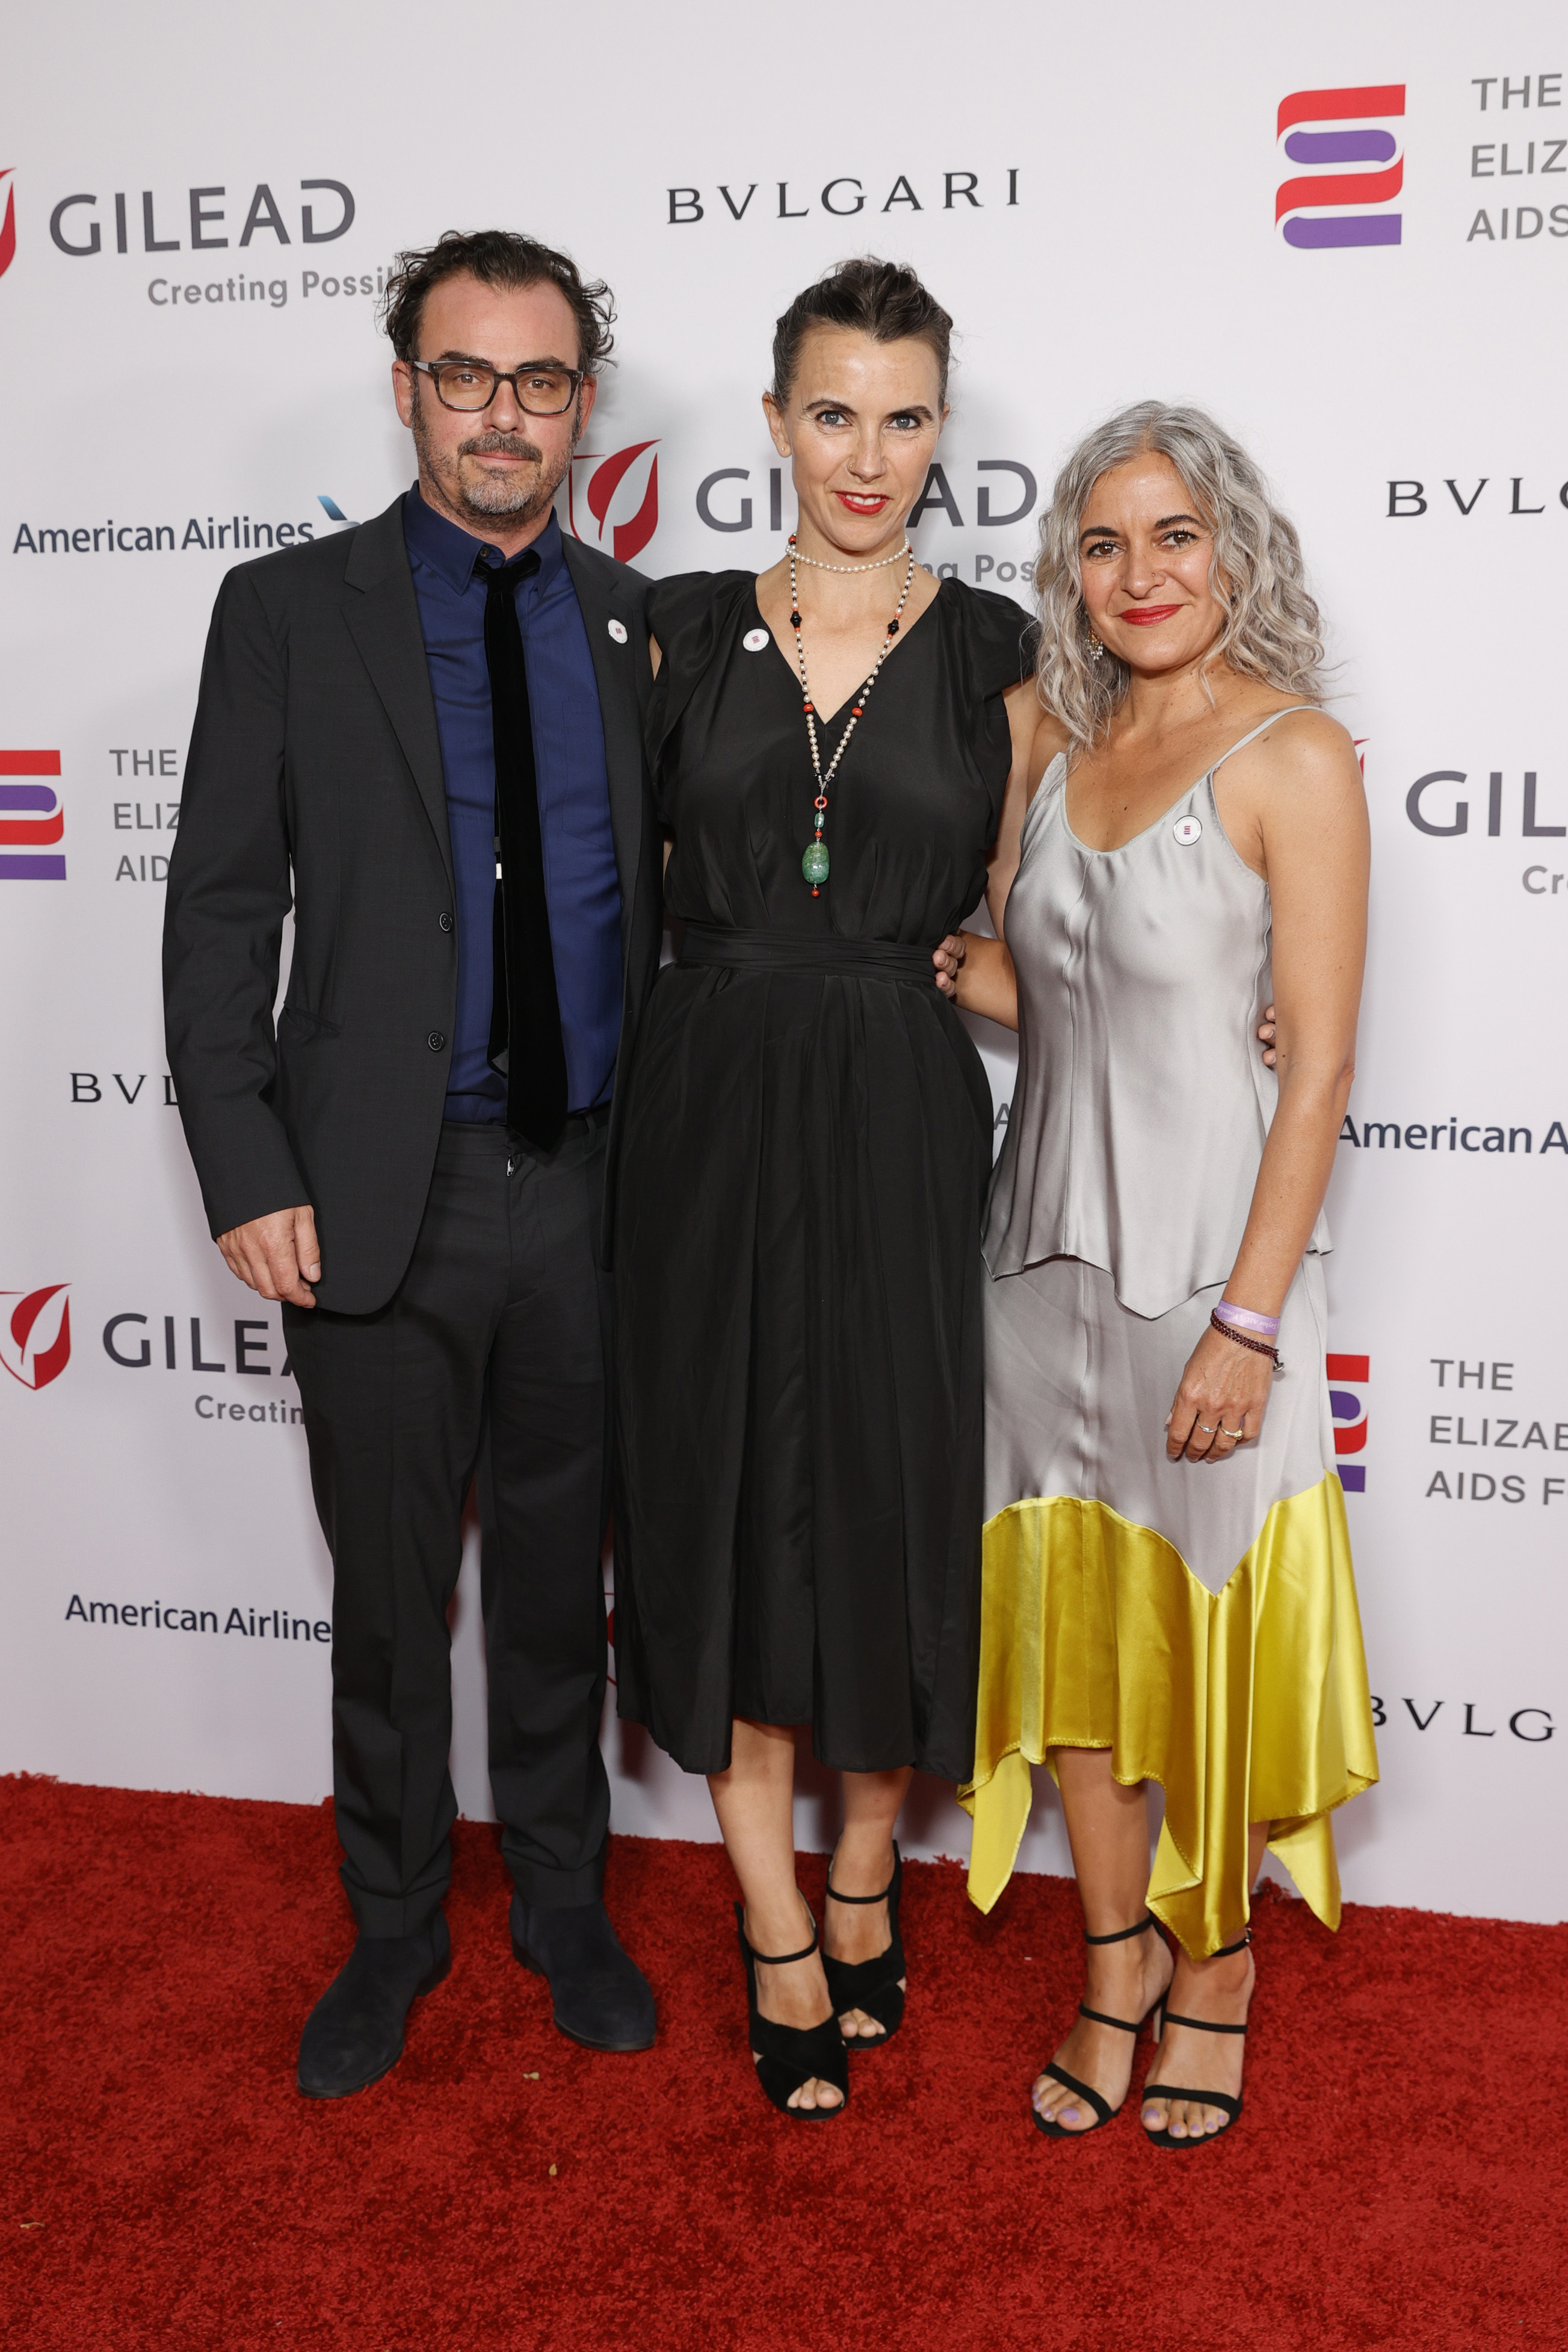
510,445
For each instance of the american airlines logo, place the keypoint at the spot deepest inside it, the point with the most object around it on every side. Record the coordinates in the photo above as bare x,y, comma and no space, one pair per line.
1326,205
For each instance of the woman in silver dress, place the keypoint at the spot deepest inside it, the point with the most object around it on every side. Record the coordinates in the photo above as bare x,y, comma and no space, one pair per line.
1168,1586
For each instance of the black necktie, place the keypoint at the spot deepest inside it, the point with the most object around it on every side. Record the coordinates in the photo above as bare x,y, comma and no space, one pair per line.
526,1044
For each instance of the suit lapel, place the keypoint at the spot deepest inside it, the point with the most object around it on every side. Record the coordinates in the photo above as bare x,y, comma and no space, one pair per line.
615,660
383,616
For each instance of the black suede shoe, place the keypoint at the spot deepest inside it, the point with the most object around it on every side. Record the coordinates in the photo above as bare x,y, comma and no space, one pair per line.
355,2033
602,1998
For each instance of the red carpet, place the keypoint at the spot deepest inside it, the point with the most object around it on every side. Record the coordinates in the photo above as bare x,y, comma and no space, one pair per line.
1398,2178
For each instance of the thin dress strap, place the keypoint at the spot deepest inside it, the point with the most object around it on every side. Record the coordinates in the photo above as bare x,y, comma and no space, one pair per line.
1260,728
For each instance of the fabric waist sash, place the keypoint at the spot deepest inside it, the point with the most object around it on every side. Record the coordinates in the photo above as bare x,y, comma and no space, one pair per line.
709,943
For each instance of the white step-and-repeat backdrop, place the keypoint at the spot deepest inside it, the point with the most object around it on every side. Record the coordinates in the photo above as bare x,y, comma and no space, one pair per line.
1344,229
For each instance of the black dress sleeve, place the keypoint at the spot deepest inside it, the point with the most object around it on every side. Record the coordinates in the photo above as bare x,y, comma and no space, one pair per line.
998,638
686,616
995,642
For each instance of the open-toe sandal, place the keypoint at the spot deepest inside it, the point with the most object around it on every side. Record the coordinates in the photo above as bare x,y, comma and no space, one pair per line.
1103,2110
788,2055
871,1985
1229,2101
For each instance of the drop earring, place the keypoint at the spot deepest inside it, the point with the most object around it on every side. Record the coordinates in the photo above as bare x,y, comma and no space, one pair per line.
1095,649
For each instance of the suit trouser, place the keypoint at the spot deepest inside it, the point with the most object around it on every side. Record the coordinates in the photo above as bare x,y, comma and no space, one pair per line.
487,1363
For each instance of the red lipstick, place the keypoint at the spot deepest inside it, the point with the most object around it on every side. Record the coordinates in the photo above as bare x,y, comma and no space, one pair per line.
1144,616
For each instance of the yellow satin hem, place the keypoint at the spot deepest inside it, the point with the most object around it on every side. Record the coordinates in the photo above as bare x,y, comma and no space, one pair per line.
1247,1705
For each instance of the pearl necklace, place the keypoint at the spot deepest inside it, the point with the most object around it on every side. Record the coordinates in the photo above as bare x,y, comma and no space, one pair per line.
814,863
880,565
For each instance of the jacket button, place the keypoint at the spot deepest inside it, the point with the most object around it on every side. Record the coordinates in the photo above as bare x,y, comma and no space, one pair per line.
446,921
436,1039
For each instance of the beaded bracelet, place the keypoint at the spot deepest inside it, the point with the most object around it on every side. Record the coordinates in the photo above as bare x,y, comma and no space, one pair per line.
1255,1347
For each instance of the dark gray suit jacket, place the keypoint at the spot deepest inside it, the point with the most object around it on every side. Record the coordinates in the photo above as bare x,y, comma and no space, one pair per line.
315,773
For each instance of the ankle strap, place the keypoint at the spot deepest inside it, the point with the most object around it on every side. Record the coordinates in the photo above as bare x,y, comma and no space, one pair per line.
834,1897
1122,2024
1121,1934
1204,2025
777,1959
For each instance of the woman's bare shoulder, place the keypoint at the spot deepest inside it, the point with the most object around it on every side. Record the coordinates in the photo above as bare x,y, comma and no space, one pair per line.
1309,748
1049,741
1303,793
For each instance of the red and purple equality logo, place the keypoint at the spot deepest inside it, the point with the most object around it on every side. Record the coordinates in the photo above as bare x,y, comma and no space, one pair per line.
1327,206
1347,1375
31,818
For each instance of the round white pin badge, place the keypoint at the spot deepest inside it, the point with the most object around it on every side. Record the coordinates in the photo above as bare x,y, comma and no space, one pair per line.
618,631
1187,829
755,639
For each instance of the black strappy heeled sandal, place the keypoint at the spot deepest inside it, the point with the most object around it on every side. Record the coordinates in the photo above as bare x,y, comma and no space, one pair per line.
871,1985
1232,2102
788,2055
1103,2111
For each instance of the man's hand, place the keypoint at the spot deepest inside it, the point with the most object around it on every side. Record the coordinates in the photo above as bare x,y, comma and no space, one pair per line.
277,1256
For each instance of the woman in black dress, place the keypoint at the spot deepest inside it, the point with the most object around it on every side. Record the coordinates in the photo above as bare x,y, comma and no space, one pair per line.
807,1140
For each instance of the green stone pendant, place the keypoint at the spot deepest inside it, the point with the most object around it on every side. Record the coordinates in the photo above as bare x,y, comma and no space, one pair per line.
814,865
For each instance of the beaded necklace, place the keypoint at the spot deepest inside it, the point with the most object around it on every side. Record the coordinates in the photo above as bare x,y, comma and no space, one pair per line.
814,863
880,564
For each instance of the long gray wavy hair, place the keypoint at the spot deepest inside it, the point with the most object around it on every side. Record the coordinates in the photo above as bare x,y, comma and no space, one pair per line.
1272,631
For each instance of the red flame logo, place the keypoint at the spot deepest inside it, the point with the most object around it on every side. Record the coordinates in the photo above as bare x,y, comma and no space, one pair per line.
8,228
592,496
36,1344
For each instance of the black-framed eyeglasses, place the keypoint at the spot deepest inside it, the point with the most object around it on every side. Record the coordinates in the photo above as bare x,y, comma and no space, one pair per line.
471,385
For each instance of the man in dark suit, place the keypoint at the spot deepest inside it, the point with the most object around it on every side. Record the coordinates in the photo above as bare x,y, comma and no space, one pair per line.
427,731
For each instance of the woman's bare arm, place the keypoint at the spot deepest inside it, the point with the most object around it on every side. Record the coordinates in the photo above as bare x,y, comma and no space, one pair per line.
981,977
1311,817
1317,852
1031,729
977,971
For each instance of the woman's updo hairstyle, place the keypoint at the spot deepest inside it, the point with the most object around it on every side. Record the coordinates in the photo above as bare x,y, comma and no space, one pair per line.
879,298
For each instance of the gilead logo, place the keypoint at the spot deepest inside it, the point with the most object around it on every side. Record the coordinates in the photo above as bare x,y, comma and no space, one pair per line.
1354,129
602,500
8,226
31,818
1349,1412
36,1334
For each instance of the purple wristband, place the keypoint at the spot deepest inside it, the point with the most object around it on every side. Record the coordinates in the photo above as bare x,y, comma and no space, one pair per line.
1242,1318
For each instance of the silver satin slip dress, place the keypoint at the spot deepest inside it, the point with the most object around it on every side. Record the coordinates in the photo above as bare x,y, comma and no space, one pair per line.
1199,1621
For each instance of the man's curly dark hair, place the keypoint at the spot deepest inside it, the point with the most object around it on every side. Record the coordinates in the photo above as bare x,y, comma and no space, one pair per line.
497,256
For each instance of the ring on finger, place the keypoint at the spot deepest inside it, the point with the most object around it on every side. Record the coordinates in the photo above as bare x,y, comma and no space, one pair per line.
1233,1432
1205,1429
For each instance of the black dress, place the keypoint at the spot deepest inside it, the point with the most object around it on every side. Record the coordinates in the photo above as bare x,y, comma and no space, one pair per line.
806,1143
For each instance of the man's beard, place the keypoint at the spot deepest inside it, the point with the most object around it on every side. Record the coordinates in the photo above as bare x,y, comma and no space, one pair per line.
515,493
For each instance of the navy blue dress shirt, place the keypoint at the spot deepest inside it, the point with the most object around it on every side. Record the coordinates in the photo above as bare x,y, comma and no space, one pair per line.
582,886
